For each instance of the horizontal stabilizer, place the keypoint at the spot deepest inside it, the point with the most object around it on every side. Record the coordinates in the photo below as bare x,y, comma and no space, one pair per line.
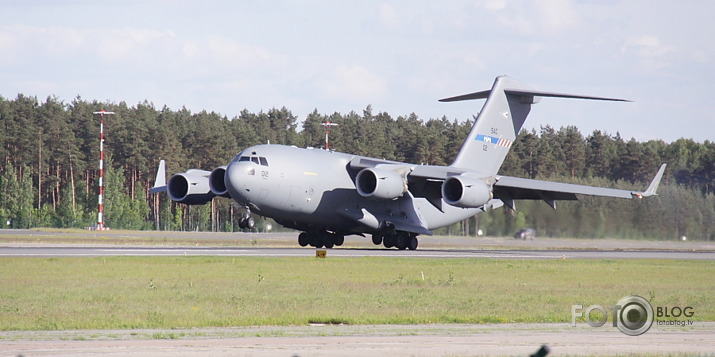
561,95
521,92
476,95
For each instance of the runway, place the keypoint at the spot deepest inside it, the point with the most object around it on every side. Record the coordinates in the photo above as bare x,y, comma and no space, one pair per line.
380,340
80,250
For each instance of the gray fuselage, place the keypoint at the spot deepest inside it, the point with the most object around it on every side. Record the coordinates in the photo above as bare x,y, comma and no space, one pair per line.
315,188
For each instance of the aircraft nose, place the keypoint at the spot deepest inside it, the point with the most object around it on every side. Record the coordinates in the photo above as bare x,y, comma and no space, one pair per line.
232,179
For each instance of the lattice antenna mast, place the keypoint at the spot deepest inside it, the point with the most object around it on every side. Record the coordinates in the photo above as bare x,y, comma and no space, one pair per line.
100,199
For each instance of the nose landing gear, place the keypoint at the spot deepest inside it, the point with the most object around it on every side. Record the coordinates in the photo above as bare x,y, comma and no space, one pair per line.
247,221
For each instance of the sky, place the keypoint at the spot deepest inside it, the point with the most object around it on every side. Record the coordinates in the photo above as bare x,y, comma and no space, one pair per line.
400,57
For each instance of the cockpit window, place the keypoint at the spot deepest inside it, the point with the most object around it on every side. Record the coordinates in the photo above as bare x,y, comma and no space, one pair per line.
258,160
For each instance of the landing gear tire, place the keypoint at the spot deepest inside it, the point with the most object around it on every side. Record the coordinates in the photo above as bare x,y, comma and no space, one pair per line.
412,242
320,239
247,223
402,240
313,239
329,239
376,238
389,241
303,239
338,239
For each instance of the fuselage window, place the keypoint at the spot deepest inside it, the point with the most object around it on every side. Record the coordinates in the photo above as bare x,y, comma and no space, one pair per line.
264,162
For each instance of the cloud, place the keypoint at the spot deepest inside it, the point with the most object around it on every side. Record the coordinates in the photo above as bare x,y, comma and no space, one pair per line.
389,16
534,17
232,54
130,50
20,42
125,46
493,5
649,51
556,15
355,84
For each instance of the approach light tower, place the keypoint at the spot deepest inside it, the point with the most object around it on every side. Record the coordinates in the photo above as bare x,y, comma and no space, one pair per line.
100,218
327,126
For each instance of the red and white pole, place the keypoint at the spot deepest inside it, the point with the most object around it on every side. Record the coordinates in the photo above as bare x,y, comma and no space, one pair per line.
100,199
327,125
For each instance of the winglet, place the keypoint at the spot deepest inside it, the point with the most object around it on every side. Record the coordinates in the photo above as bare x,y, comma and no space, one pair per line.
653,187
160,182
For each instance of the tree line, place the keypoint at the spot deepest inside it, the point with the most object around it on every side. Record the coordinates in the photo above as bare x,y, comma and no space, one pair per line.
49,160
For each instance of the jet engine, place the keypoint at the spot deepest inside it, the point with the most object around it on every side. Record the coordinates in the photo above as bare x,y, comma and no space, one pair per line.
466,192
190,187
217,184
380,184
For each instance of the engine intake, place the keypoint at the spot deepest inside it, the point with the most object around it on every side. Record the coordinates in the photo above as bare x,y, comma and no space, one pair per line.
380,184
190,187
466,192
217,182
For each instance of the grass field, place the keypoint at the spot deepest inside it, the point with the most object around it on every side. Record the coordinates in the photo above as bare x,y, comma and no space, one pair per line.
175,292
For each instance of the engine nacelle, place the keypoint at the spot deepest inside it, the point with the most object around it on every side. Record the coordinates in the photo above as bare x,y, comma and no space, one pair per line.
190,187
466,192
217,182
380,184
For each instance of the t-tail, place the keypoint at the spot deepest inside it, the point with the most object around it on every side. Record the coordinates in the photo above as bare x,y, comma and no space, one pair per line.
499,122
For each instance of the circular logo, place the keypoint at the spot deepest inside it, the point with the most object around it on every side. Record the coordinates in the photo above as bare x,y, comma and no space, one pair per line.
635,316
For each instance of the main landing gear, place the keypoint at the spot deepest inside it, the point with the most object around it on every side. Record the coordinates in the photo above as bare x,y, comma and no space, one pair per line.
398,239
320,239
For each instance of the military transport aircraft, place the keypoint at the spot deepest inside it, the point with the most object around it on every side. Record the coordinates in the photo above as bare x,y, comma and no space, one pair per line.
328,195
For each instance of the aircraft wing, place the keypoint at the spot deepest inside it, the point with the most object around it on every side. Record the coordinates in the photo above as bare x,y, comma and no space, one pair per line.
425,181
509,188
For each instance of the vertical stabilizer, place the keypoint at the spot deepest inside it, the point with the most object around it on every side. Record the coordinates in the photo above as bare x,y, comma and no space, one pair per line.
497,125
495,128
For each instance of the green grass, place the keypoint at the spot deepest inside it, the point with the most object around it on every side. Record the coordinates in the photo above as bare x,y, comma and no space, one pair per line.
177,292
